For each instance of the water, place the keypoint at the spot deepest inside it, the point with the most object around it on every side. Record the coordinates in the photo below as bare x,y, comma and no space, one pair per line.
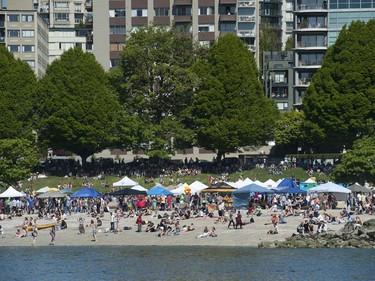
184,263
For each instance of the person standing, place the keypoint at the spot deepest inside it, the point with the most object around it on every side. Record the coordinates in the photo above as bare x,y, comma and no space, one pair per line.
34,234
113,218
139,223
239,220
93,227
52,233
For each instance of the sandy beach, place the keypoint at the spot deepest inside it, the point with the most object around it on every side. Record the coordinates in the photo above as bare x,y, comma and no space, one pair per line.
249,236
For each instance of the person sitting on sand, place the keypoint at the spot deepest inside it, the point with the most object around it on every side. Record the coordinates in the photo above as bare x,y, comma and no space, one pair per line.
213,232
191,227
358,222
204,234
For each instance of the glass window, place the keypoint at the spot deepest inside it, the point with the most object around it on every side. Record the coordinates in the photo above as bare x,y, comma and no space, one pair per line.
27,33
282,105
13,33
61,5
161,12
204,11
366,3
120,13
14,48
61,17
27,18
279,77
227,27
117,29
343,4
28,48
14,18
182,11
333,4
77,7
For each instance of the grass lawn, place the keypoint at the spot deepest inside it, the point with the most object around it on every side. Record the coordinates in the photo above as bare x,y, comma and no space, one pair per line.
253,174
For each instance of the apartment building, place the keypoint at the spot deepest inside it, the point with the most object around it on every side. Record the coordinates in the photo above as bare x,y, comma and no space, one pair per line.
205,20
278,78
25,34
317,24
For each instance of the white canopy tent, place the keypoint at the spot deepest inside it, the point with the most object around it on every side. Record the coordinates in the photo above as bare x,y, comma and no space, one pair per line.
139,188
198,186
270,183
42,190
11,192
330,187
125,182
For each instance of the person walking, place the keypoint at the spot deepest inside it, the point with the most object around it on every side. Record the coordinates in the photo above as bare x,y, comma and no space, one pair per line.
52,233
231,220
34,234
239,220
93,227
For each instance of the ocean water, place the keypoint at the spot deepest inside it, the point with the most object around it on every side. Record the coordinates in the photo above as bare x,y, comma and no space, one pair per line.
184,263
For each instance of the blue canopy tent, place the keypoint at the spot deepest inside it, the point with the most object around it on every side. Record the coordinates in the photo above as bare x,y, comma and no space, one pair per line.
158,190
288,186
242,195
86,192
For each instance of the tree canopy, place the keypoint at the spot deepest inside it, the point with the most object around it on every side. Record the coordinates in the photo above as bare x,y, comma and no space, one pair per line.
156,85
17,84
340,102
230,110
18,157
77,107
358,163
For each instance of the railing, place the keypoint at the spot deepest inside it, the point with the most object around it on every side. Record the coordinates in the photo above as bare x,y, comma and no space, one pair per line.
303,7
304,81
310,63
246,33
302,44
310,25
246,18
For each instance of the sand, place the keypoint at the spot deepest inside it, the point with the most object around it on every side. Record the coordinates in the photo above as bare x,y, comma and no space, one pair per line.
249,236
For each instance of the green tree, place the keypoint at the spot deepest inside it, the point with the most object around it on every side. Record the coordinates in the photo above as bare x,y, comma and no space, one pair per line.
18,157
290,130
340,102
268,42
17,84
289,44
155,86
230,110
78,108
358,163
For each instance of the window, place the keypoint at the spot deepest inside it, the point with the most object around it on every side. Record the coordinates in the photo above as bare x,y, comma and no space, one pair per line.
117,29
120,13
116,47
14,48
31,63
206,11
27,33
139,13
27,18
279,78
182,11
161,12
282,105
28,48
14,18
61,17
13,33
61,5
206,28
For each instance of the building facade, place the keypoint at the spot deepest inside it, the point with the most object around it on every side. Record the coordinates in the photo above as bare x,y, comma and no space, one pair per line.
25,34
278,82
317,24
205,20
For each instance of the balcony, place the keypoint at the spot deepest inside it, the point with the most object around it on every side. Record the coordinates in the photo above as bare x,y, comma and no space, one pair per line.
2,24
88,5
304,82
186,18
314,26
2,39
246,33
311,7
246,18
231,17
182,2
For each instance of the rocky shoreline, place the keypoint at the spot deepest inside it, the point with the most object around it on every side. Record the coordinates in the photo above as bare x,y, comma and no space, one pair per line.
350,236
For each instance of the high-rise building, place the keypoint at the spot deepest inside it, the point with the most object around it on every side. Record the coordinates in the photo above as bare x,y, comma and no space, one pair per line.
25,34
317,24
206,20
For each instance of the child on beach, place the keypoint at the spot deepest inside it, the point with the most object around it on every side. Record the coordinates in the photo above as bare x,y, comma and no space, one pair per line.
81,226
204,234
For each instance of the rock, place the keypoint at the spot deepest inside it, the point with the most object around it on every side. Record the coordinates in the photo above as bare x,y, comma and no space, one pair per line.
369,224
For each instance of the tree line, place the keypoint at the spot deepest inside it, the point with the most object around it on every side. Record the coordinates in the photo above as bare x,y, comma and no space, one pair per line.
170,93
